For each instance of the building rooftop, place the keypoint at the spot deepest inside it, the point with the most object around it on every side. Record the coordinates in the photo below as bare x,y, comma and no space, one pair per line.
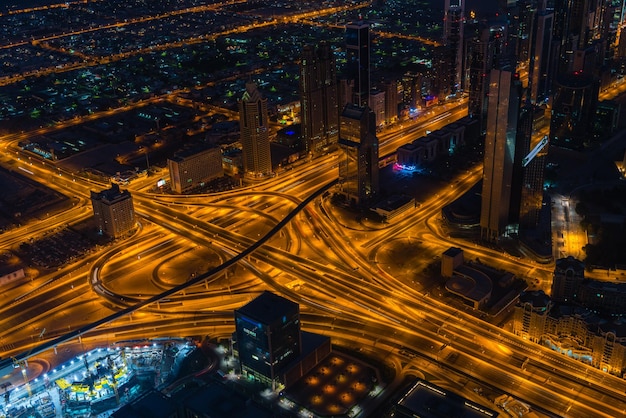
152,404
537,298
427,400
453,252
191,151
268,307
217,401
470,283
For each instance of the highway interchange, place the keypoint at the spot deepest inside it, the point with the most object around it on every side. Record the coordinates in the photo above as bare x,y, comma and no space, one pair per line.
176,276
343,293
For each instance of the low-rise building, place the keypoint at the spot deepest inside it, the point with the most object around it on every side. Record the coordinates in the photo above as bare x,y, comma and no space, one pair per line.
194,167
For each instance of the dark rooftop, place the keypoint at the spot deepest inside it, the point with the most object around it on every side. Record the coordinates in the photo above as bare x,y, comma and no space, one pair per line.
268,307
427,400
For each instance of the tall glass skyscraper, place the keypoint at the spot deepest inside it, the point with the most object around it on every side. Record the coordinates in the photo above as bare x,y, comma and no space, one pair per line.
505,92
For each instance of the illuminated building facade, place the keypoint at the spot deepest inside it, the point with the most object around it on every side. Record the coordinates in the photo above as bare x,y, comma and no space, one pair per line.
583,318
254,130
268,336
358,155
113,211
319,97
358,60
194,167
500,148
529,317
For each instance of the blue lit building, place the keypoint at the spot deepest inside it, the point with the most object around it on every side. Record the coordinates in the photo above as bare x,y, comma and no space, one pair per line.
268,336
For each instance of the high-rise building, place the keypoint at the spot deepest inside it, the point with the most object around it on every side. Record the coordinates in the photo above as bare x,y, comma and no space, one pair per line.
319,97
358,155
573,108
541,66
113,211
500,147
482,53
412,89
521,27
255,135
358,60
529,165
453,41
193,167
268,336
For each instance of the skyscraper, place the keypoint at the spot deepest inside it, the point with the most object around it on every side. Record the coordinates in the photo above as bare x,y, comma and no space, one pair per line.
113,211
268,336
319,97
541,65
453,41
254,130
573,107
358,60
483,51
358,156
532,170
500,146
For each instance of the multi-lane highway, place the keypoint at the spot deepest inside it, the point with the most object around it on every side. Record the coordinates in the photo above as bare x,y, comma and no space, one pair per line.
340,284
177,276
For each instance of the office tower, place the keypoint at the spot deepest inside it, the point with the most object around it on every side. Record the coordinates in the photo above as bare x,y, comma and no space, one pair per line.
580,24
113,211
500,143
254,131
453,42
268,336
541,66
319,97
573,107
358,155
358,60
522,26
193,167
531,167
483,51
